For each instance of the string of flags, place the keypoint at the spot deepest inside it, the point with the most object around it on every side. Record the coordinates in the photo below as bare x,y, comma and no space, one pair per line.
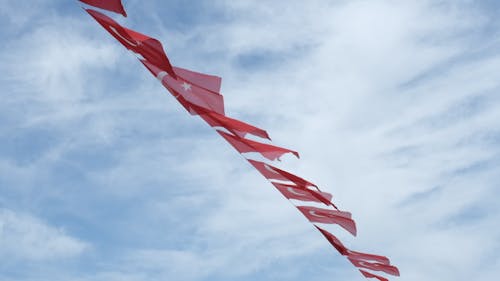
200,95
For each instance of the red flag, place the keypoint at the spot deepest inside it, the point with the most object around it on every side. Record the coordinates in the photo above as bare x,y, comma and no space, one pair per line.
267,170
303,193
371,275
368,257
334,241
341,218
209,82
270,152
189,95
234,126
149,48
389,269
273,173
110,5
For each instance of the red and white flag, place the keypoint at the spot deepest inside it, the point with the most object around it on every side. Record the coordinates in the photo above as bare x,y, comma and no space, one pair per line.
319,215
238,128
209,82
242,145
273,173
368,257
334,241
303,193
149,48
389,269
371,275
189,94
109,5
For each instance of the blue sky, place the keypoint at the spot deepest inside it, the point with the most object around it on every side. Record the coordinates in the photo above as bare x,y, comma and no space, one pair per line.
393,105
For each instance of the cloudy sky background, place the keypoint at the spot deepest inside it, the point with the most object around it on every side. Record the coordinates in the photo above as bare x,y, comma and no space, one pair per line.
393,105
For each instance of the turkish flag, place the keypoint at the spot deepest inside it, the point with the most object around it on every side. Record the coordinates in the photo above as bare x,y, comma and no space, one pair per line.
149,48
189,94
368,257
334,241
234,126
209,82
110,5
303,193
389,269
273,173
371,275
267,170
319,215
270,152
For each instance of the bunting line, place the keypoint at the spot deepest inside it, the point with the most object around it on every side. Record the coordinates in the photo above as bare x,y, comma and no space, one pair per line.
199,94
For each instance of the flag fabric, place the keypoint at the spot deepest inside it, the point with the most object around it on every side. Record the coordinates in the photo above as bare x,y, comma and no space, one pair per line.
268,171
273,173
371,275
199,94
109,5
368,257
334,241
303,193
238,128
319,215
389,269
149,48
358,259
243,145
209,82
189,95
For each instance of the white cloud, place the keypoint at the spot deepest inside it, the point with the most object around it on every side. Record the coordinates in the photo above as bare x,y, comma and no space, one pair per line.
26,238
391,105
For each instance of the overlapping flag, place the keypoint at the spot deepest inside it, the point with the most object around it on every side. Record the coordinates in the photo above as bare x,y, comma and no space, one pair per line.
200,95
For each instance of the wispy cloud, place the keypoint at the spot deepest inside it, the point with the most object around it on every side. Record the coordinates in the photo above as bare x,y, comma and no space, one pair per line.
393,106
25,238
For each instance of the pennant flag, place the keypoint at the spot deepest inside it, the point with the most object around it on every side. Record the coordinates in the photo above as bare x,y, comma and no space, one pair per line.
190,95
334,241
273,173
110,5
343,219
149,48
209,82
270,152
371,275
368,257
267,170
234,126
303,193
389,269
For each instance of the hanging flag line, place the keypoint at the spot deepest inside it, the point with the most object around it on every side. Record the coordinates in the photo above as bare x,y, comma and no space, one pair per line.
200,95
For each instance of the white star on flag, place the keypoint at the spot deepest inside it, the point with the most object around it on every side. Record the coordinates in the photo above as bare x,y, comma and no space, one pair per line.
186,86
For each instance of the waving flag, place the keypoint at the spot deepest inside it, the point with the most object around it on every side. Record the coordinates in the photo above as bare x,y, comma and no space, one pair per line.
371,275
143,45
199,94
110,5
368,257
273,173
389,269
191,96
303,193
236,127
209,82
242,145
358,259
319,215
334,241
